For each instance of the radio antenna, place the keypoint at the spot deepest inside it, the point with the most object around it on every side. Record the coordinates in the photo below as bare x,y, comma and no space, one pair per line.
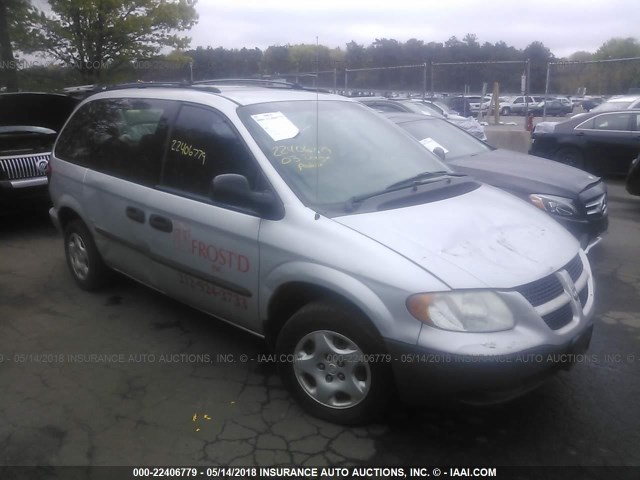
317,118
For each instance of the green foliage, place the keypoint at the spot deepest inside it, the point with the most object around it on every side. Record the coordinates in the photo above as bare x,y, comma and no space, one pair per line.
92,36
618,48
12,33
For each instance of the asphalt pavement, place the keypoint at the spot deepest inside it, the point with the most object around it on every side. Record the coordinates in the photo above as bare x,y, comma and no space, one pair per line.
127,376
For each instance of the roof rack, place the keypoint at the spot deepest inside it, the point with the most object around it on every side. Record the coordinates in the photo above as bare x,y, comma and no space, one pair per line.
251,81
259,81
202,85
120,86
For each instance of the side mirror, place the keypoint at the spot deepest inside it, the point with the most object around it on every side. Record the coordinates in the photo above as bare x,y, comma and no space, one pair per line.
234,190
439,151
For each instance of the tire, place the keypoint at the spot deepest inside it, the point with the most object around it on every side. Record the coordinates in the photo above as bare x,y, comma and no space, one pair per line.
83,259
330,375
570,156
506,111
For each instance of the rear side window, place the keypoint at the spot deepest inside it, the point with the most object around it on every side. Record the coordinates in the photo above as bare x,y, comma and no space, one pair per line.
612,122
202,146
120,137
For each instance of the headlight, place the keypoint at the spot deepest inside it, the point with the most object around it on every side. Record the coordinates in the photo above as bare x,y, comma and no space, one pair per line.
465,311
552,204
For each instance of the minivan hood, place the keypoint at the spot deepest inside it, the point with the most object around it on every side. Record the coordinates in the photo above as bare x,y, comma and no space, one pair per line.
525,174
482,239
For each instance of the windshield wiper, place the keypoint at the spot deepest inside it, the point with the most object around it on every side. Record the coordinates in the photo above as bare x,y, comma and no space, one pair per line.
419,179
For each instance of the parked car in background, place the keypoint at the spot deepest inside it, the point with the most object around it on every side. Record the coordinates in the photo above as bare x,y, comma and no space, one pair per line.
555,107
568,104
29,123
459,104
633,177
310,220
516,105
385,105
620,102
589,104
475,103
604,143
576,199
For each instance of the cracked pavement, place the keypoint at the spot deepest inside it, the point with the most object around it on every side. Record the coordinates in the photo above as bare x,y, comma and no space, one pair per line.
162,388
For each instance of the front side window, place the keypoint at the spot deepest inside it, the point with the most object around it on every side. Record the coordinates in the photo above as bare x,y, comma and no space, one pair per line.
202,146
123,137
331,151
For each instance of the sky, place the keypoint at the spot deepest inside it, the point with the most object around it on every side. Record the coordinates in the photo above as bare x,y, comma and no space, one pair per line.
564,26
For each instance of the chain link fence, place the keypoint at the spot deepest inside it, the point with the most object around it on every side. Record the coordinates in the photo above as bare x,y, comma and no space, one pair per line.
594,77
402,80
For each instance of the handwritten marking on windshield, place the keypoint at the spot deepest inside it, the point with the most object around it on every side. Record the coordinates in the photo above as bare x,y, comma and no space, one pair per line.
302,156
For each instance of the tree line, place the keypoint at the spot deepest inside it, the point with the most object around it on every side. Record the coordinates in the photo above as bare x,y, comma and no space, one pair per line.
108,42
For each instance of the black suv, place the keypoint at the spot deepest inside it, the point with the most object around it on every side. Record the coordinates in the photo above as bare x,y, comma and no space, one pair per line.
29,123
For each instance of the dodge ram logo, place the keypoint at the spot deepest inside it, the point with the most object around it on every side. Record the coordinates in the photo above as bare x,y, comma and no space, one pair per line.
42,166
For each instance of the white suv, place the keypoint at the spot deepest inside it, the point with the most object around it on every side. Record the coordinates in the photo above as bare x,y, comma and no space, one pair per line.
312,221
517,105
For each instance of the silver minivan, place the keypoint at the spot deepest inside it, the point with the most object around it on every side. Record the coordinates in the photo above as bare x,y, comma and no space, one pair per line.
308,219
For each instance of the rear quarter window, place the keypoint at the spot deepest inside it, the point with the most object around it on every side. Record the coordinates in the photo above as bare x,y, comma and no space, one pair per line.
120,137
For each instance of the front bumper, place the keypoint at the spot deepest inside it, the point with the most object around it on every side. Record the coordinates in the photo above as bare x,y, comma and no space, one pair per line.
587,231
424,374
23,195
53,215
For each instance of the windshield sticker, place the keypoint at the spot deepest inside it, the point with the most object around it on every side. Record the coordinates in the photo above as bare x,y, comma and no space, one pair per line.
188,150
431,144
276,125
302,156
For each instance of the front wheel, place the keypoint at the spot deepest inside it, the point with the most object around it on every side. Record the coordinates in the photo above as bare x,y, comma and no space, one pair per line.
570,156
336,365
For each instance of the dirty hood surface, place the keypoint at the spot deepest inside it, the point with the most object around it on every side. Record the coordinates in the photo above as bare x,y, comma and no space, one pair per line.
482,239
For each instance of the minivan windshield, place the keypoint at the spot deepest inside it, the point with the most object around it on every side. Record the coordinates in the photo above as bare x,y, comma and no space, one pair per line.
330,151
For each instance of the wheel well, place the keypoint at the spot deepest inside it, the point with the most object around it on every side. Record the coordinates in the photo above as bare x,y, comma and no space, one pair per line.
66,215
290,298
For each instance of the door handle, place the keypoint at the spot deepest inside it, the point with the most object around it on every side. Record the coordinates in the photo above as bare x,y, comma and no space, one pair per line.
135,214
161,223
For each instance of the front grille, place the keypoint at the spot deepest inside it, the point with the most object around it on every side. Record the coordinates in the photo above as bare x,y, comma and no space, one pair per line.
583,295
560,317
23,166
597,205
541,291
547,288
574,268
